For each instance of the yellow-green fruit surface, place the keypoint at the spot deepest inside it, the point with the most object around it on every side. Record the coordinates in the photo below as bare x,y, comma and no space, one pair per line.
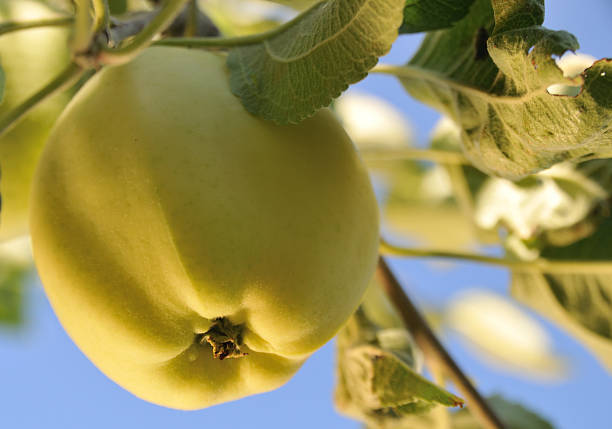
29,58
160,205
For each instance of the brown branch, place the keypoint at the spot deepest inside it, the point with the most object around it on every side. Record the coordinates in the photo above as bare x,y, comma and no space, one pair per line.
432,348
202,25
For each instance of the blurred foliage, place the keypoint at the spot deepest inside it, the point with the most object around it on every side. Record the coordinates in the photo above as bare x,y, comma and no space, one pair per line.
379,367
16,268
12,281
579,302
512,414
504,335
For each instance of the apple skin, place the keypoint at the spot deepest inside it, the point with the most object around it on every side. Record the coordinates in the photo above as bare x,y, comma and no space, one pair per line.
160,205
29,58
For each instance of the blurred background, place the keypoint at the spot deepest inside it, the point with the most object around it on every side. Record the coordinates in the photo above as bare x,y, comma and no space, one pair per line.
45,381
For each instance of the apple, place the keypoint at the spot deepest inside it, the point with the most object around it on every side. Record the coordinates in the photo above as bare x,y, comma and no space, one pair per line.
195,253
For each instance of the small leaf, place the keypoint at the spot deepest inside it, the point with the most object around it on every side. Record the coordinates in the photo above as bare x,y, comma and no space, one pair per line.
429,15
578,302
378,364
378,379
491,72
311,60
514,416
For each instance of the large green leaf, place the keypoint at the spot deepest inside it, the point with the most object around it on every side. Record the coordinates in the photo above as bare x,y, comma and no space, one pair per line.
429,15
308,62
496,88
579,302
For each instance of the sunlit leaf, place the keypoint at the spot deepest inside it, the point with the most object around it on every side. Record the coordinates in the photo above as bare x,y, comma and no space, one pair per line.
490,73
579,303
554,199
310,61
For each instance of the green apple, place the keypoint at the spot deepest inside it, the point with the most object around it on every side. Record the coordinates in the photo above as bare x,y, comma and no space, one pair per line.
172,229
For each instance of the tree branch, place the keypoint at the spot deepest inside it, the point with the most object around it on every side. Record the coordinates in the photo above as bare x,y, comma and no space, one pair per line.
433,349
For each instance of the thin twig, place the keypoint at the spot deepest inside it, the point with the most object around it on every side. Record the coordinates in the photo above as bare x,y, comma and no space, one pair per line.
540,265
68,76
158,23
409,153
228,42
434,351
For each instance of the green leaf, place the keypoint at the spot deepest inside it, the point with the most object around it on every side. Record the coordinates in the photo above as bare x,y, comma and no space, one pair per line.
546,205
306,63
429,15
496,88
579,303
378,379
514,416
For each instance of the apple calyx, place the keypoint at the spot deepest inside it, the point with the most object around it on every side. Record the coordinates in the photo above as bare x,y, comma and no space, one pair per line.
224,338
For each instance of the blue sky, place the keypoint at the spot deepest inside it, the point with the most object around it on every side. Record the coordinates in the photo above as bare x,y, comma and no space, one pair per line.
47,383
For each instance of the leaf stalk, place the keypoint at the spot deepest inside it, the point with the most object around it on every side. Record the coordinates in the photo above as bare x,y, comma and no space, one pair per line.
542,265
64,79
